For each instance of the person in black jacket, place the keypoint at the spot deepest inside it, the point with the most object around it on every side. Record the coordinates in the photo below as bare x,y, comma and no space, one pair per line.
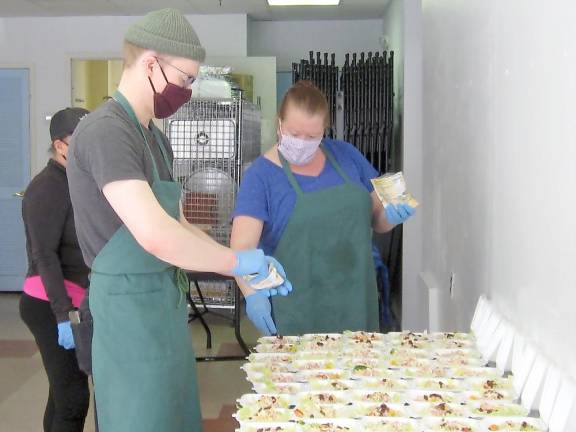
56,281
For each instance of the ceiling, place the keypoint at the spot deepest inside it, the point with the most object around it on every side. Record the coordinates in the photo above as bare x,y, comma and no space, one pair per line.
256,9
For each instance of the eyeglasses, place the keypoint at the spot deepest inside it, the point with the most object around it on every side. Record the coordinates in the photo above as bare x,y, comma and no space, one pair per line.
189,78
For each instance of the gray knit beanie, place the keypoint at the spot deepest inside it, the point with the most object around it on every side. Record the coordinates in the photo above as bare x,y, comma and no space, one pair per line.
168,32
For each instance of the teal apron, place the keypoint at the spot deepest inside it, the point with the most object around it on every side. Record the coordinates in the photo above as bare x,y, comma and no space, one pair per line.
143,364
326,250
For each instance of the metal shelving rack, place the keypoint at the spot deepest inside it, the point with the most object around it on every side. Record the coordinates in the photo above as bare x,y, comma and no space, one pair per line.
213,141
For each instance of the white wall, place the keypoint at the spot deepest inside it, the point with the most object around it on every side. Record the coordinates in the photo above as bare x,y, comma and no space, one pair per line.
413,296
403,32
47,44
393,32
500,164
291,41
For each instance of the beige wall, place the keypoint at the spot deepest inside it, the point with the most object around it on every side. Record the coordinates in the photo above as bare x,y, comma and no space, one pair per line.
93,81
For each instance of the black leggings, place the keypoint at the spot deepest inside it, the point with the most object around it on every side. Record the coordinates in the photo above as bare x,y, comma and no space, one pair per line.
69,395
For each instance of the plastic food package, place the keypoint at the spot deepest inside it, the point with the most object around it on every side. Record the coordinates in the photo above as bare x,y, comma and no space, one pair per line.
273,280
212,83
391,189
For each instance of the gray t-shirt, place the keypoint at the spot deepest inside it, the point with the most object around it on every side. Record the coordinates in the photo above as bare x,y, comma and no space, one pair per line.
107,146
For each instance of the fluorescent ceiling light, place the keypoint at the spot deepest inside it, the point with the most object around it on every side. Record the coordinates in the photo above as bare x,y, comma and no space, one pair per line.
303,2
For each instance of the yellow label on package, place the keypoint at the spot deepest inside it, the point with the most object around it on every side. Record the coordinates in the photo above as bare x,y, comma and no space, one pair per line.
273,280
391,189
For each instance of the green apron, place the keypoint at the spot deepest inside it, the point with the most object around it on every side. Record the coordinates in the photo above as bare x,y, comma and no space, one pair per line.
143,364
326,250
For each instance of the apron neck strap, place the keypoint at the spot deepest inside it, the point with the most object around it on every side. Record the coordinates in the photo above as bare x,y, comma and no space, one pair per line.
329,156
123,102
289,174
335,163
161,143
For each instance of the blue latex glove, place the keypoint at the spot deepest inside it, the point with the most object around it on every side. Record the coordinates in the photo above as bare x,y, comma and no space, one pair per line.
397,214
251,262
65,338
285,288
259,311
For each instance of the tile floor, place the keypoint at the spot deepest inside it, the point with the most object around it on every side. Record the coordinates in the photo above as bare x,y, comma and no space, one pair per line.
24,387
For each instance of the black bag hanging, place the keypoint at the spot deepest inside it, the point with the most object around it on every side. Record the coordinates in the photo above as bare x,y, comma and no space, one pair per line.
82,330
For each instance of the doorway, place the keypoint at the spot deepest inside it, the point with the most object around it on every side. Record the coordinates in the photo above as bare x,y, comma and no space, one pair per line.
14,174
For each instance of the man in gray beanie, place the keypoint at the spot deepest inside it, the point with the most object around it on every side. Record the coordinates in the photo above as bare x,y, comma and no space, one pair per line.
136,240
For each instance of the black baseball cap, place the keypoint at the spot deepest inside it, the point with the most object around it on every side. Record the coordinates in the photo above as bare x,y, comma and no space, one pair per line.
65,121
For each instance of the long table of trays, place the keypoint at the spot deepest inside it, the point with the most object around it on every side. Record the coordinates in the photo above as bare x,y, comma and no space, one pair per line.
395,382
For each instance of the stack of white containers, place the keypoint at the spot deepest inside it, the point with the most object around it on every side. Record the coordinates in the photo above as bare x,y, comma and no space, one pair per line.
396,382
541,386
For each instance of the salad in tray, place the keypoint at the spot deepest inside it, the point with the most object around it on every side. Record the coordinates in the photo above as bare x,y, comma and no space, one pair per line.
336,397
489,383
426,372
273,378
311,410
314,364
441,409
280,388
361,370
478,372
452,425
285,347
270,358
377,396
321,342
263,415
263,401
328,374
527,424
498,409
362,381
396,384
362,337
495,395
266,368
333,385
267,427
433,396
374,424
329,425
380,410
355,363
316,355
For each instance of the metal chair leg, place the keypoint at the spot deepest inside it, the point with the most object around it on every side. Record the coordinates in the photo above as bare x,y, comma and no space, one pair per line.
199,291
199,315
235,322
237,309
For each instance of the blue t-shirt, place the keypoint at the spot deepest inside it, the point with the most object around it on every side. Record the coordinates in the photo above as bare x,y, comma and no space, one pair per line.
266,193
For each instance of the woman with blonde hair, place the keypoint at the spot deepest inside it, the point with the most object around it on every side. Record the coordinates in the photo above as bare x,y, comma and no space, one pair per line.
309,203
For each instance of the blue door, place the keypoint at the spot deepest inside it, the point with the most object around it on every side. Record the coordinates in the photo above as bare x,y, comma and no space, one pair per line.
14,174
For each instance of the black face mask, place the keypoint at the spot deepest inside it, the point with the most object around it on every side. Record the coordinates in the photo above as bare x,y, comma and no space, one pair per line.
171,98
